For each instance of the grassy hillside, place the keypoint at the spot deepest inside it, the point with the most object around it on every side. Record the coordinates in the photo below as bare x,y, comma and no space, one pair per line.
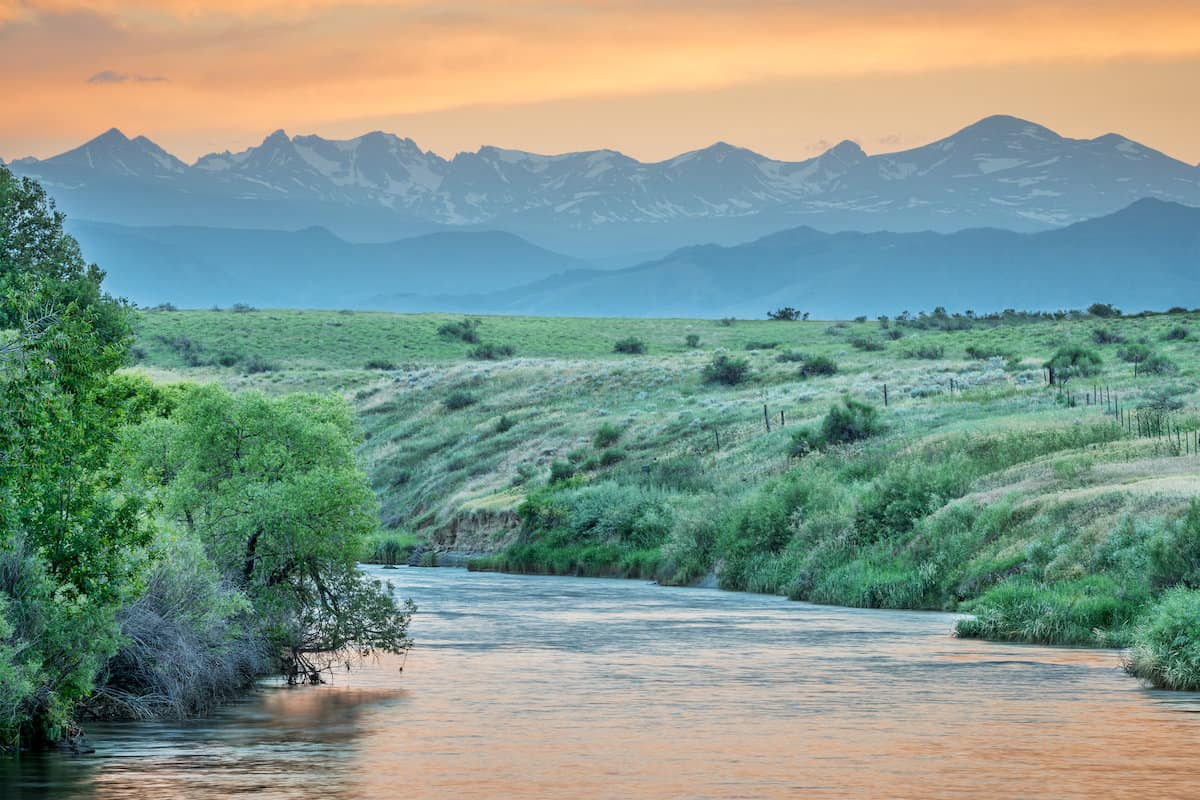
977,487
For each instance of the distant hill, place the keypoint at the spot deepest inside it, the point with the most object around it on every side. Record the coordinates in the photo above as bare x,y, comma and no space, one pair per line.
197,267
999,172
1145,256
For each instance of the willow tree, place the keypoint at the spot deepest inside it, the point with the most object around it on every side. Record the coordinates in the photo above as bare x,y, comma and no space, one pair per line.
271,486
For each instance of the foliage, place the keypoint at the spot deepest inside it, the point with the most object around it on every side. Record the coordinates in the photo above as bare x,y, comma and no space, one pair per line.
692,341
1075,361
1103,310
630,345
607,435
379,363
726,369
68,536
465,330
1166,648
491,352
271,488
787,314
458,400
818,365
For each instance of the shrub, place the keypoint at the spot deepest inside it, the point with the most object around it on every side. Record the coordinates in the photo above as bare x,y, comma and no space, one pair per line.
465,330
612,456
1105,336
791,357
818,365
1166,646
984,353
727,322
458,400
258,364
850,422
787,314
692,340
1157,365
1103,310
928,351
630,345
242,308
228,359
868,345
1178,333
504,424
164,307
753,345
727,370
561,471
894,334
492,352
1174,552
1074,361
1135,353
606,435
379,363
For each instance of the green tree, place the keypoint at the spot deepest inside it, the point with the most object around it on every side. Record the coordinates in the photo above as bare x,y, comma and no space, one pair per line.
272,489
69,538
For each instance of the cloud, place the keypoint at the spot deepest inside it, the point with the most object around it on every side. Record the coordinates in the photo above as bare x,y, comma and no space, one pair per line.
112,76
108,76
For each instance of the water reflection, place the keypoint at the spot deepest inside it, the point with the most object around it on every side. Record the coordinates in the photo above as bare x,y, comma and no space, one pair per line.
549,687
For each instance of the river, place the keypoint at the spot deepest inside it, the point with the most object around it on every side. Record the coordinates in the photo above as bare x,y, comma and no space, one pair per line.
537,687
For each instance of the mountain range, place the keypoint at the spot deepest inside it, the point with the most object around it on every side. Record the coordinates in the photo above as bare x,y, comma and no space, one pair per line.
1003,213
607,207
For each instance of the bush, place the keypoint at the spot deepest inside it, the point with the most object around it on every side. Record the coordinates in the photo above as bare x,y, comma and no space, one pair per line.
1105,336
727,322
492,352
787,314
466,330
505,424
753,345
727,370
1135,353
984,353
258,364
612,456
928,351
458,400
228,359
561,471
191,641
850,422
692,340
379,363
1075,361
894,334
1077,612
606,435
791,357
818,365
868,345
1176,334
242,308
1103,310
1166,646
630,345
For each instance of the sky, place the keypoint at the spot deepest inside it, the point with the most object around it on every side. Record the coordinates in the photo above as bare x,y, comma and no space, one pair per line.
651,78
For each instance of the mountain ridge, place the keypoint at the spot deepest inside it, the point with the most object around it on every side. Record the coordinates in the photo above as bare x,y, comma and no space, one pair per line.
1000,171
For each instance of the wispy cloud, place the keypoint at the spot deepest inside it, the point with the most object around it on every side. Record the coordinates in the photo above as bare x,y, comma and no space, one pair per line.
112,76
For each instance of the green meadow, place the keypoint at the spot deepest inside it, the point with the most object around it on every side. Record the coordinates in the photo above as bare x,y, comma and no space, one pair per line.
760,455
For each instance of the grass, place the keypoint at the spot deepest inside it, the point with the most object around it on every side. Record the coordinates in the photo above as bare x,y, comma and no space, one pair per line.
977,488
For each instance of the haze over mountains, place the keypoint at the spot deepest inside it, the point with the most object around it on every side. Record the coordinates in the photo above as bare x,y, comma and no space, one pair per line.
239,227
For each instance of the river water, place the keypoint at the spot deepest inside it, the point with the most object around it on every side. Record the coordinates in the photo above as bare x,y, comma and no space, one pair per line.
532,687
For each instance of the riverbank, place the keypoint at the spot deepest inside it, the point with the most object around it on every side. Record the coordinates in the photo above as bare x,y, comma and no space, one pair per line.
953,478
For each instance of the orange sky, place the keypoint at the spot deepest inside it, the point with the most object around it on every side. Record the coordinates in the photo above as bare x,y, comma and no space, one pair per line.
649,77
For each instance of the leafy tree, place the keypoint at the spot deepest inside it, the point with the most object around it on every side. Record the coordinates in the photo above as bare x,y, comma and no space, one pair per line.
70,540
272,489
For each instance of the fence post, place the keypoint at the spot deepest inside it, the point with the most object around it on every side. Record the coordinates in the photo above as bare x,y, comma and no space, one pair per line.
766,418
885,400
782,420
